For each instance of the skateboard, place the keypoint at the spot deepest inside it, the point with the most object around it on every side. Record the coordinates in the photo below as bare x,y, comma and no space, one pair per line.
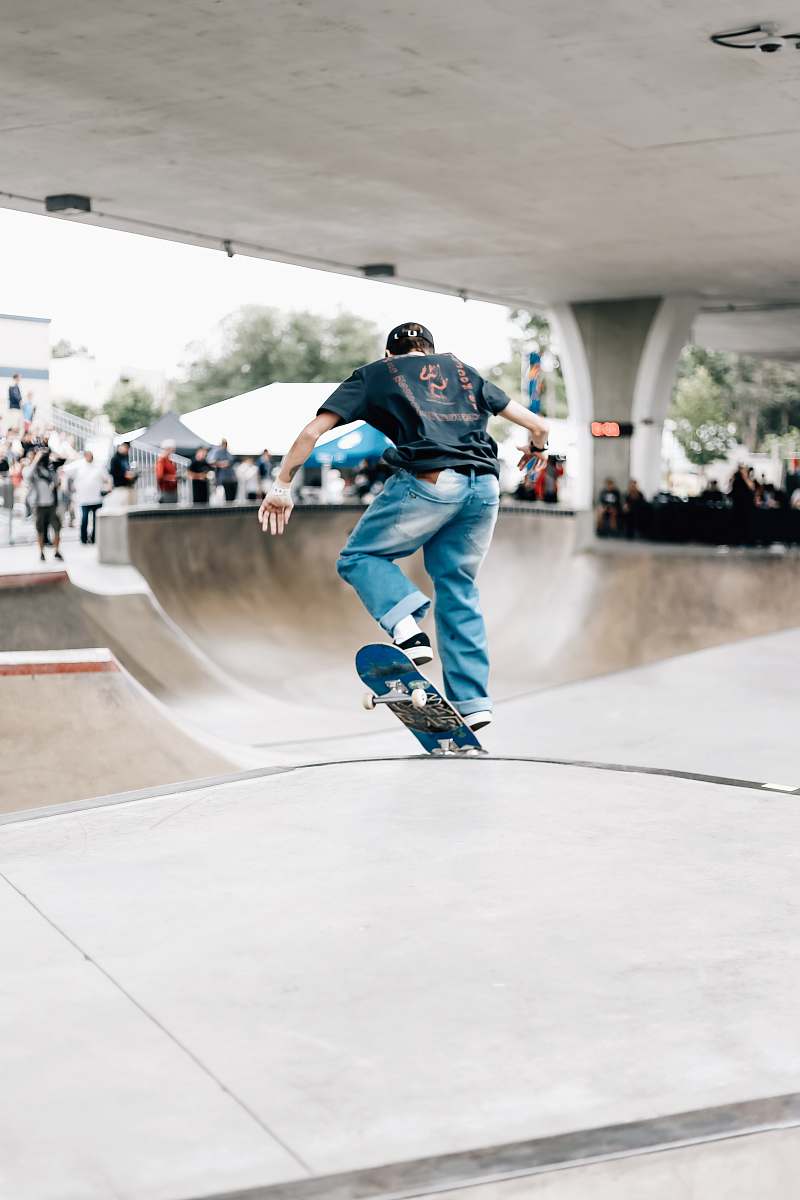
395,680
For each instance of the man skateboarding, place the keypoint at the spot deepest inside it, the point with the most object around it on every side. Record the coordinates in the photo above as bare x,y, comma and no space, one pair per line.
443,498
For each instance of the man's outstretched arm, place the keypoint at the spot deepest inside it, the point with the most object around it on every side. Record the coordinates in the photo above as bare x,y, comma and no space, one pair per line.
536,427
277,505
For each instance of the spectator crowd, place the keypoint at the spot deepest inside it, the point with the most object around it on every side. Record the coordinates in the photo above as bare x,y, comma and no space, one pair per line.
46,480
749,512
53,484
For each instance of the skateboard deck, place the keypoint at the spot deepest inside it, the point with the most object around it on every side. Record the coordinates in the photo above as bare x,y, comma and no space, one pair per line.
394,680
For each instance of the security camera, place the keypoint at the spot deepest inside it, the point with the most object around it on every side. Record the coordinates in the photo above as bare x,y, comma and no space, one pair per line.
771,45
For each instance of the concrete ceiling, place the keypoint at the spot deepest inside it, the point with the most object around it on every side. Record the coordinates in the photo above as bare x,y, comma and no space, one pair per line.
771,331
521,150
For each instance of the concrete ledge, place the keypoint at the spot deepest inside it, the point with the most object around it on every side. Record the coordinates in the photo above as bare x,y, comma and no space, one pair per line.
91,661
112,537
27,579
216,781
150,512
579,1153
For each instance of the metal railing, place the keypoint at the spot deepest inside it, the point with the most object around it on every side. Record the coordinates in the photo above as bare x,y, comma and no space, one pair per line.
143,460
77,428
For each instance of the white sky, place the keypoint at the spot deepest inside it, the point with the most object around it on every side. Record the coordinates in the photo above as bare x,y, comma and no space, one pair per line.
139,301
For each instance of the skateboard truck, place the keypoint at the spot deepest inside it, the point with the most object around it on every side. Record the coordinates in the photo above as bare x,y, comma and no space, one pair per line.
450,749
398,693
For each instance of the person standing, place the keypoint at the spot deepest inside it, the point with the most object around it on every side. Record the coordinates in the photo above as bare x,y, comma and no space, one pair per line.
123,476
264,472
635,511
248,477
167,474
7,464
221,460
42,481
15,403
743,501
91,482
551,475
28,411
443,497
198,473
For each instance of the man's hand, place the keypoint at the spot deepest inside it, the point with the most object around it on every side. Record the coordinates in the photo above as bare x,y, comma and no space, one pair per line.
530,454
276,508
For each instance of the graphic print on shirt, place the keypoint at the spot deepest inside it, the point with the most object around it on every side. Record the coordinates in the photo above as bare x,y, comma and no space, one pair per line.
431,402
431,374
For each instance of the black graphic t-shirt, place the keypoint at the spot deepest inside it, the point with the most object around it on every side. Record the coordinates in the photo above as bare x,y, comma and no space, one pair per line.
432,406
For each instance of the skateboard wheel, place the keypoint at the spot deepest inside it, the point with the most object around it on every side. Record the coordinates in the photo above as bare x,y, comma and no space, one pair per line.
419,697
368,700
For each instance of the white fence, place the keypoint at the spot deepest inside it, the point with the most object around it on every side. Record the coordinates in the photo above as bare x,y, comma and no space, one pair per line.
143,460
81,432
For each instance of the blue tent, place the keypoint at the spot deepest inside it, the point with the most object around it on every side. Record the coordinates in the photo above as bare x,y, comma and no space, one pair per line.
350,447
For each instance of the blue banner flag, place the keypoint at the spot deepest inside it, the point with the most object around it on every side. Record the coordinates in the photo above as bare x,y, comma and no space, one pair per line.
534,380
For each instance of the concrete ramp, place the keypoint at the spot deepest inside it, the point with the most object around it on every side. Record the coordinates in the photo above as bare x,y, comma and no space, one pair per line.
42,612
249,641
273,613
78,726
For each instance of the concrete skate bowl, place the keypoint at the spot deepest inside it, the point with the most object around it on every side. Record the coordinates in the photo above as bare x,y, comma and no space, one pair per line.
272,613
80,726
49,612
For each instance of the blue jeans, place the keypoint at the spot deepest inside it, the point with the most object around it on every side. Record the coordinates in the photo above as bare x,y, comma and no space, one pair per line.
453,520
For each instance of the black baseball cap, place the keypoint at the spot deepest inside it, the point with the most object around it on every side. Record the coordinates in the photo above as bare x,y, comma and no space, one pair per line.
409,329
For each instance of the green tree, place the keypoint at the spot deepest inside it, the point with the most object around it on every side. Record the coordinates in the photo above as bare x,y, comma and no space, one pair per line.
263,345
63,348
130,406
787,444
761,397
718,364
77,408
702,425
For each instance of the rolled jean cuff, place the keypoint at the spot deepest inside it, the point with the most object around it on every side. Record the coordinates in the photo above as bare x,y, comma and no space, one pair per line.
466,707
415,604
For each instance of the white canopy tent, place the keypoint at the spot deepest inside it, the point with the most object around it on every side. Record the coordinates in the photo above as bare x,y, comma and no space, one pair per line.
270,417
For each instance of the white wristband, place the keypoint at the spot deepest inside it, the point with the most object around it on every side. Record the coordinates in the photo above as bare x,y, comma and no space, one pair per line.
279,491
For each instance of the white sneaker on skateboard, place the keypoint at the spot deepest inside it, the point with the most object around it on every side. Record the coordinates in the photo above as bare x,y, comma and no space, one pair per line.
478,720
418,648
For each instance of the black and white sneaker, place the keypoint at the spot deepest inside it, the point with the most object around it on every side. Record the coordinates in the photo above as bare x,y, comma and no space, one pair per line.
418,648
478,720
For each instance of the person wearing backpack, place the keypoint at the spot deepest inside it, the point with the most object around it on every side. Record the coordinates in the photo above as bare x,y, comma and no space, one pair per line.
42,480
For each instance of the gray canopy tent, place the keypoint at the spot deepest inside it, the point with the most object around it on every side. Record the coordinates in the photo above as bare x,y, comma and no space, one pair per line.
170,428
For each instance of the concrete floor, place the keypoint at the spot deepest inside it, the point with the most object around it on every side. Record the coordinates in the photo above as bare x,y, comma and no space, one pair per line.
331,969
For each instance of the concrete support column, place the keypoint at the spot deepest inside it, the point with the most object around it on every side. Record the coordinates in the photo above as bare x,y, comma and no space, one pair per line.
669,332
619,359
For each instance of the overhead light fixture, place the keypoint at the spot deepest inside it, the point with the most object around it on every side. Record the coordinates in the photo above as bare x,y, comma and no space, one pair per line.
763,37
227,246
378,270
68,204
